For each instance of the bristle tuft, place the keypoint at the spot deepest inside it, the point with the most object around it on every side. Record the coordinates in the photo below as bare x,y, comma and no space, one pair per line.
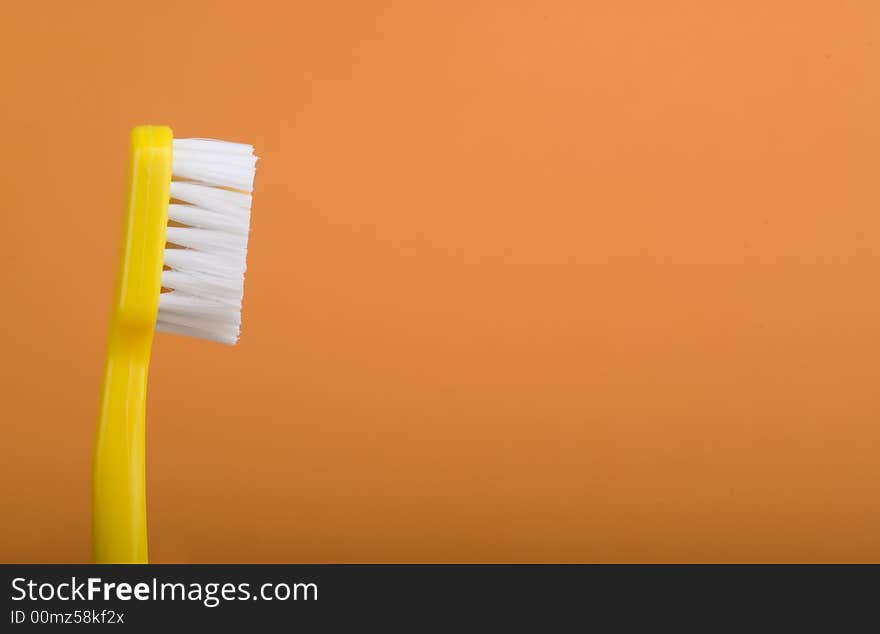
212,181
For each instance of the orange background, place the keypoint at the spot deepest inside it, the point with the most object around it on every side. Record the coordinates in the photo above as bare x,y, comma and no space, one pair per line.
528,281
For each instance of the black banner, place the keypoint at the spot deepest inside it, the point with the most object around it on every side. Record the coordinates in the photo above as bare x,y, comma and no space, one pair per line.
416,597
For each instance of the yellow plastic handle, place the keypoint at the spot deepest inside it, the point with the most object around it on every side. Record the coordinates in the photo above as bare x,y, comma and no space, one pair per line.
119,487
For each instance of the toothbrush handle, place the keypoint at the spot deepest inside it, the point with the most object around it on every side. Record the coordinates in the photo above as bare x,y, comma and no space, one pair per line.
119,502
119,487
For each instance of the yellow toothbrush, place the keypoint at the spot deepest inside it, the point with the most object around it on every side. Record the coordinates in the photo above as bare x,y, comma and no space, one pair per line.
203,275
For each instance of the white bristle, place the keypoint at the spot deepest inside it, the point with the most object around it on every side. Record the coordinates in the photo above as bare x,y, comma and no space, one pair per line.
206,275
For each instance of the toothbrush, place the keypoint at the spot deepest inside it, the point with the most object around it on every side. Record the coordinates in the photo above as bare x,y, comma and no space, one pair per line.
197,294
